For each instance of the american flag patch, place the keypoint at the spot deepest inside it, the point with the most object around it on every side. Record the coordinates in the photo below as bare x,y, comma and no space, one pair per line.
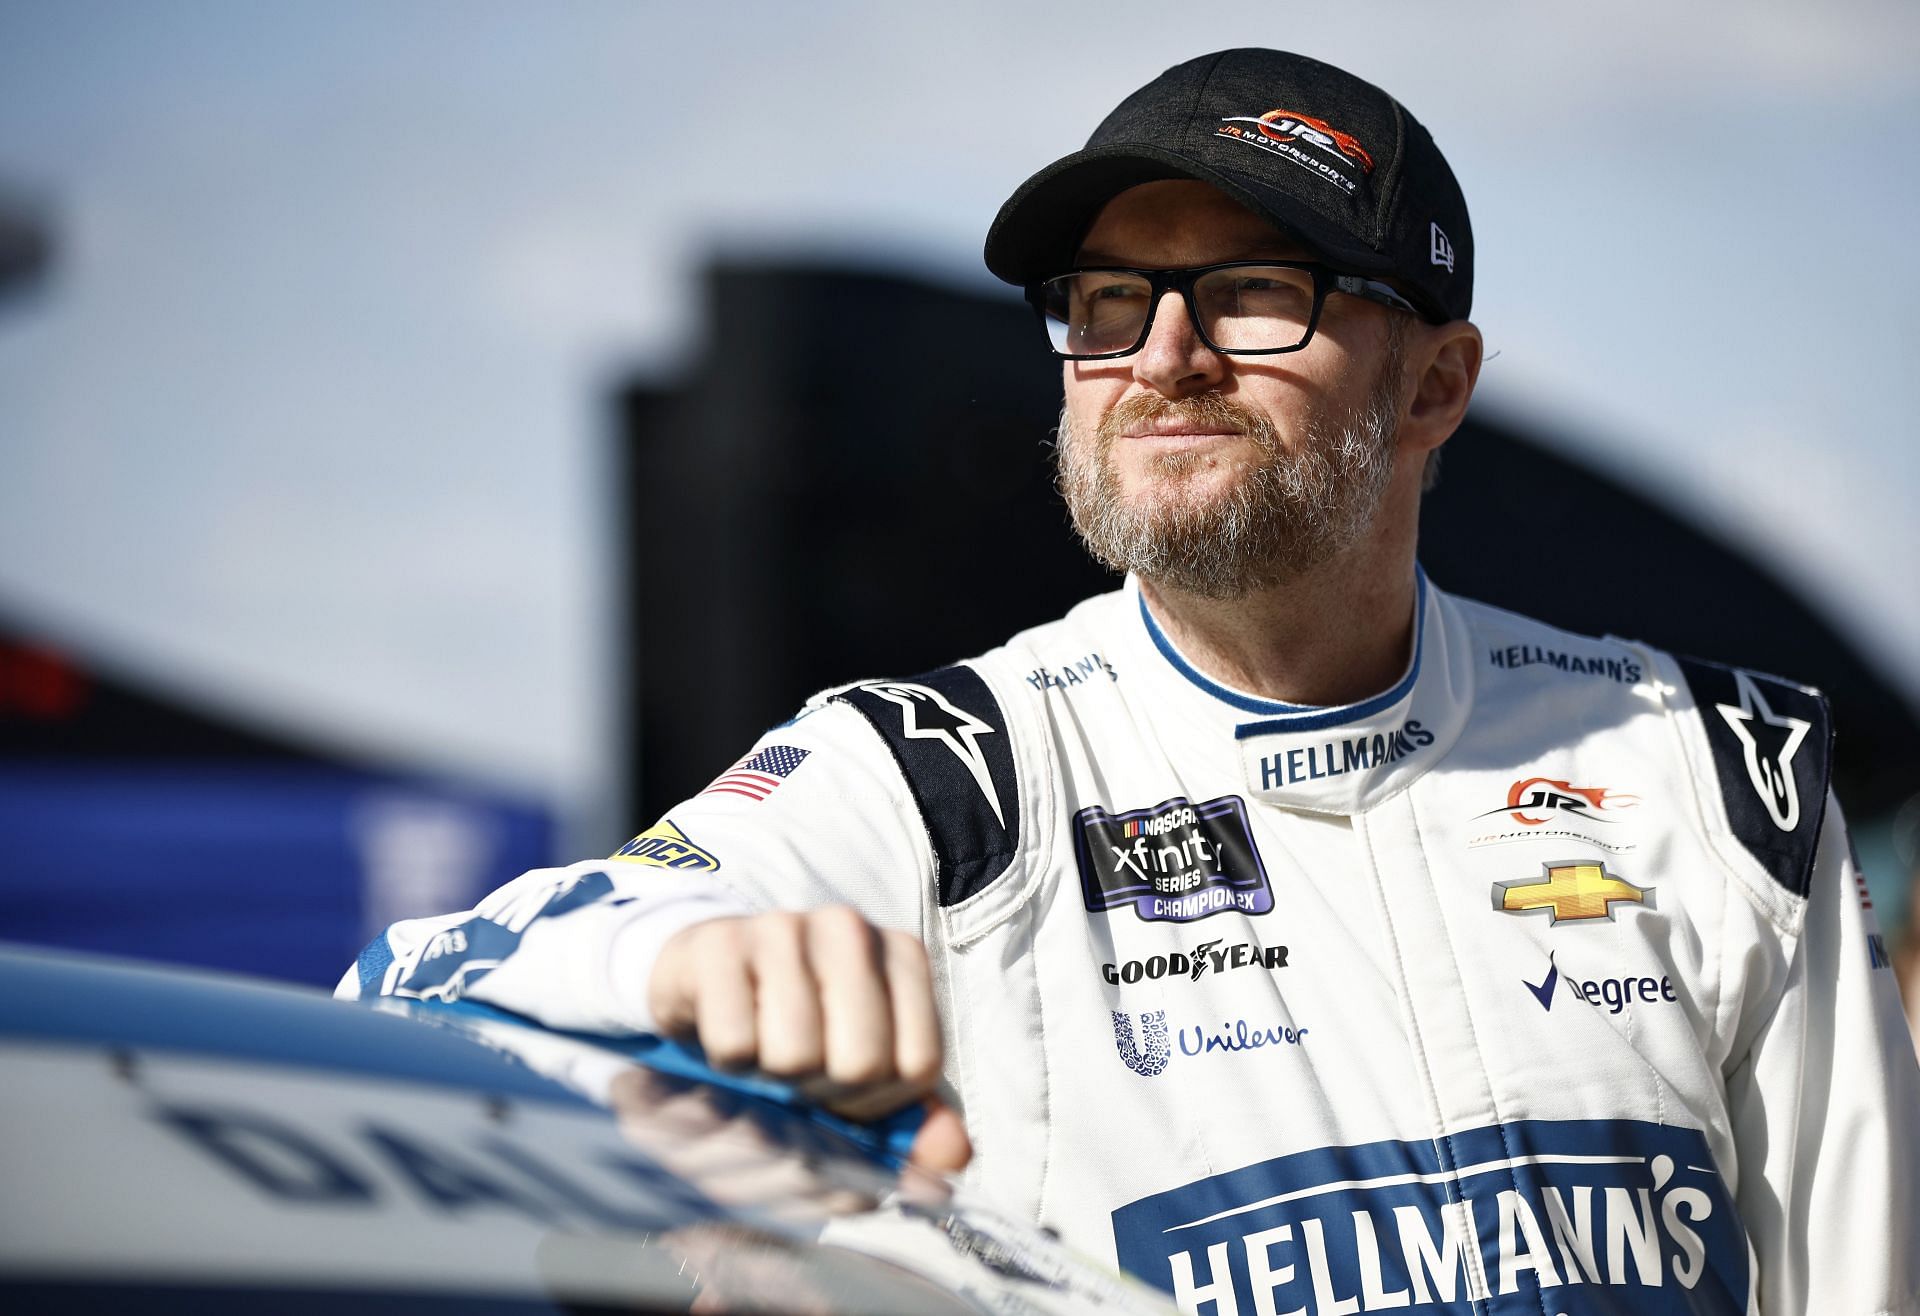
757,775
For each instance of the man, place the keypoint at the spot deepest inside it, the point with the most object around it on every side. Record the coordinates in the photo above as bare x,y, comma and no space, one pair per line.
1305,938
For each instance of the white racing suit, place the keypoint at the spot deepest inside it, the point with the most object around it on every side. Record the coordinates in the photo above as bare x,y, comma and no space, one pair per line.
1540,983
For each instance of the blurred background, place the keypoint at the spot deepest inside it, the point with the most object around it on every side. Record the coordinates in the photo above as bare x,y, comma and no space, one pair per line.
436,436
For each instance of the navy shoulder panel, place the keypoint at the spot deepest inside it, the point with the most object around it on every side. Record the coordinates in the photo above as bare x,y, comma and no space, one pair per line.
949,737
1773,752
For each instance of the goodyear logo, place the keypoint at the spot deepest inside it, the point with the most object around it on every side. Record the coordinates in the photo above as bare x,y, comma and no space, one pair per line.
665,846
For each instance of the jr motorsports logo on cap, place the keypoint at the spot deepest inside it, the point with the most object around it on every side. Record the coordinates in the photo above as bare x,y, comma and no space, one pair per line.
1174,863
1311,143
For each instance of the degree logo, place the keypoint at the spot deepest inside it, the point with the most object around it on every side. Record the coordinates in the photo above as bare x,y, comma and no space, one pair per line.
1535,800
1613,995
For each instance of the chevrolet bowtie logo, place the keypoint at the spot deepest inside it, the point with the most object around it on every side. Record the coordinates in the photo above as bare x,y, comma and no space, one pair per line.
1569,891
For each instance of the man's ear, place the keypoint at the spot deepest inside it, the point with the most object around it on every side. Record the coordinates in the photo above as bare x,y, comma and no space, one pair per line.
1445,361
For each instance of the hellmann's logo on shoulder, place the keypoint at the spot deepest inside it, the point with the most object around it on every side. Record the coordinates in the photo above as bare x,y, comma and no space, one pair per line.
1336,758
1615,667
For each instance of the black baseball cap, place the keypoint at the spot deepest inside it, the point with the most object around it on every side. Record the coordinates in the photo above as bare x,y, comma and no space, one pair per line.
1326,156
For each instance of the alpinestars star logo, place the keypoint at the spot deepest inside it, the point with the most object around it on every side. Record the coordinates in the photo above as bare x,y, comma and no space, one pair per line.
925,714
1769,741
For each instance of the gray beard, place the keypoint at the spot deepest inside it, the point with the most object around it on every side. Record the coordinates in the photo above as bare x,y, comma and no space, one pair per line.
1290,512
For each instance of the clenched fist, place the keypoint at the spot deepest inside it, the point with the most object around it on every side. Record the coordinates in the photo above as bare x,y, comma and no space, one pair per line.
823,999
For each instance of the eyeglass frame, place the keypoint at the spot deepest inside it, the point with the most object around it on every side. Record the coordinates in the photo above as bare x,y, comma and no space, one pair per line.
1326,279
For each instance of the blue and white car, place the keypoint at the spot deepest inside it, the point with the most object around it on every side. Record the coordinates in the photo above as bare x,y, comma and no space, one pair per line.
178,1141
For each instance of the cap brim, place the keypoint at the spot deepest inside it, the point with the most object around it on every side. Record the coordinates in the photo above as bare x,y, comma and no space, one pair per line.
1039,229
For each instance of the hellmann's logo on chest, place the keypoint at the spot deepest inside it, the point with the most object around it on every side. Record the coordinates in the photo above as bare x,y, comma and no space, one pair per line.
1336,758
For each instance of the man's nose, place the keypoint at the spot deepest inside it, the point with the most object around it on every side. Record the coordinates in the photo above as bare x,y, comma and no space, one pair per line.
1174,362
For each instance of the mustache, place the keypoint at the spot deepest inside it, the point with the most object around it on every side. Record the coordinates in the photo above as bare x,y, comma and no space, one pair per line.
1202,409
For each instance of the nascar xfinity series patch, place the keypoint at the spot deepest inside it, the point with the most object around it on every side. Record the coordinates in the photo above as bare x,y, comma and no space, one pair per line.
1173,863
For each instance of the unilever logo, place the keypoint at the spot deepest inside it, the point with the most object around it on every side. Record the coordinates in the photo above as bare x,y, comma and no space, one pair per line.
1150,1055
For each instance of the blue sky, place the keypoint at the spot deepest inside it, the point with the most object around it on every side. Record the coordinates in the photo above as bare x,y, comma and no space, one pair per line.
311,418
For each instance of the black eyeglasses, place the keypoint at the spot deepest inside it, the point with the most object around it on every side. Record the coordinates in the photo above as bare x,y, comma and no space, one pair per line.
1241,307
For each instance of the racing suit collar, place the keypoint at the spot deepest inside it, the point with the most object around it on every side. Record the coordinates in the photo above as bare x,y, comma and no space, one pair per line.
1329,759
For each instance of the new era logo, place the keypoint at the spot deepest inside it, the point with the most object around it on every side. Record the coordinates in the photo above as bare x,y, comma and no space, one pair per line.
1439,248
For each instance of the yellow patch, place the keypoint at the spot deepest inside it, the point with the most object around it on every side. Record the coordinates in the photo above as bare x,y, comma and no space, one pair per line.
1570,891
665,846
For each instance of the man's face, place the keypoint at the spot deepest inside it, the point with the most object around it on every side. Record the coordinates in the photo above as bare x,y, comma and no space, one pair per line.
1217,474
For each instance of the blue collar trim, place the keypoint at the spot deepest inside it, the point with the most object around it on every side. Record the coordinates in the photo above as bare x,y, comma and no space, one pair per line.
1281,716
1226,695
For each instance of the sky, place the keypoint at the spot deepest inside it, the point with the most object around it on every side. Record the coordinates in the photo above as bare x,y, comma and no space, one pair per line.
311,418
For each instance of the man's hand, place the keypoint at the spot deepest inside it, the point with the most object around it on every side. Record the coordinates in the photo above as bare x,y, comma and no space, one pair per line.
824,999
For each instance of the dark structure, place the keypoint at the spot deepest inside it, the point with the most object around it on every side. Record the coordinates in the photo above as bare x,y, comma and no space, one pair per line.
1515,524
54,708
26,248
822,501
139,824
825,499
